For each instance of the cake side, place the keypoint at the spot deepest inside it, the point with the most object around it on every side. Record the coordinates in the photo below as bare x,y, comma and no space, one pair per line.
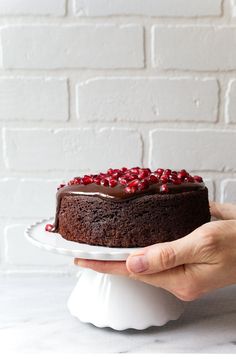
135,222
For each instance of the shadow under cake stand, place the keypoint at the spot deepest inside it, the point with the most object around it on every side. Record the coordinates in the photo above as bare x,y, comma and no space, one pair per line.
107,300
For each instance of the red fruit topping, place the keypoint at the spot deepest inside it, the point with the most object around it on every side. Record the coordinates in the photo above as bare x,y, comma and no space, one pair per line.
110,171
61,186
198,178
189,179
135,170
77,180
137,179
176,181
167,172
131,189
164,188
49,227
143,173
104,182
133,183
164,179
97,180
144,184
159,171
153,179
181,176
123,181
112,182
87,180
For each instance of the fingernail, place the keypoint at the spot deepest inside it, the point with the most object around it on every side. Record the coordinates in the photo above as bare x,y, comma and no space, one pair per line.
138,263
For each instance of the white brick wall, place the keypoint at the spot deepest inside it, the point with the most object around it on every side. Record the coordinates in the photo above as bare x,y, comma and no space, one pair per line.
89,84
112,99
148,7
203,48
69,149
33,99
32,7
72,46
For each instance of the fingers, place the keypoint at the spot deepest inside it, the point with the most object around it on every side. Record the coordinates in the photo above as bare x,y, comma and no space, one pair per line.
162,256
223,210
110,267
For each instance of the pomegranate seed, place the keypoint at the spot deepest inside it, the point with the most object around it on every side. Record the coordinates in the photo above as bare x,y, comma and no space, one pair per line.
176,181
112,182
116,175
164,179
153,179
143,173
131,189
143,184
181,176
77,180
159,171
189,179
49,227
183,172
110,171
130,177
198,178
133,183
135,170
97,180
123,181
167,172
124,169
87,180
164,188
104,182
61,186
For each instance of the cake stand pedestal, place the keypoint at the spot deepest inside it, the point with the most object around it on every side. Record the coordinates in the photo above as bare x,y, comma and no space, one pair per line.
107,300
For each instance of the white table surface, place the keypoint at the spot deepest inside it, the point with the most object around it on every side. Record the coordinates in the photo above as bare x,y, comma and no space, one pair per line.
34,319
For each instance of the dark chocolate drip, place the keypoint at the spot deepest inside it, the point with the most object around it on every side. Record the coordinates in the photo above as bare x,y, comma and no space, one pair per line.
118,193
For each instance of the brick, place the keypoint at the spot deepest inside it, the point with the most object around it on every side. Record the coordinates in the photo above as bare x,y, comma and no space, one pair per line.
33,99
193,149
228,191
20,252
72,46
148,99
32,7
167,8
71,149
38,194
230,102
200,47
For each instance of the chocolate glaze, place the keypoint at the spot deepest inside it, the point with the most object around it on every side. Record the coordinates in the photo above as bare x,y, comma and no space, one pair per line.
118,193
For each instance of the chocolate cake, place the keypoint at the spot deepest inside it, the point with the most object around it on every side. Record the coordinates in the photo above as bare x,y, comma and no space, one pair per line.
133,207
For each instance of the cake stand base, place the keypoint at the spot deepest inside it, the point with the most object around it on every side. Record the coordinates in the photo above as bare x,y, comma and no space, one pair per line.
120,303
108,300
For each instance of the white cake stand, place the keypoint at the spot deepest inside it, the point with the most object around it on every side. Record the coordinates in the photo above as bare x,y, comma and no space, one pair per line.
108,300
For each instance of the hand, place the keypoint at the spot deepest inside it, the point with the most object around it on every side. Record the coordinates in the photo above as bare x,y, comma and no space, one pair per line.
188,267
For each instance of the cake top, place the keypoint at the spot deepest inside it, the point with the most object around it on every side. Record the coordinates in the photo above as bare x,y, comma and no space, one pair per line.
129,182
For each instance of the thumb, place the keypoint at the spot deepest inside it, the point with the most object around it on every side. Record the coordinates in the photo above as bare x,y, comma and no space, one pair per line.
162,256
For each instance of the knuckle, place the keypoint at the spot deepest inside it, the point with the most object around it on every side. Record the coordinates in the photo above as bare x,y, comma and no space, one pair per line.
208,240
167,257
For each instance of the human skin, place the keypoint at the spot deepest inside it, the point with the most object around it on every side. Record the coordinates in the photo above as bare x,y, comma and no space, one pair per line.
189,267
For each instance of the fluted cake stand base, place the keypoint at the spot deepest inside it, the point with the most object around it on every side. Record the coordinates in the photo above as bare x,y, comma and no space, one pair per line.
107,300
